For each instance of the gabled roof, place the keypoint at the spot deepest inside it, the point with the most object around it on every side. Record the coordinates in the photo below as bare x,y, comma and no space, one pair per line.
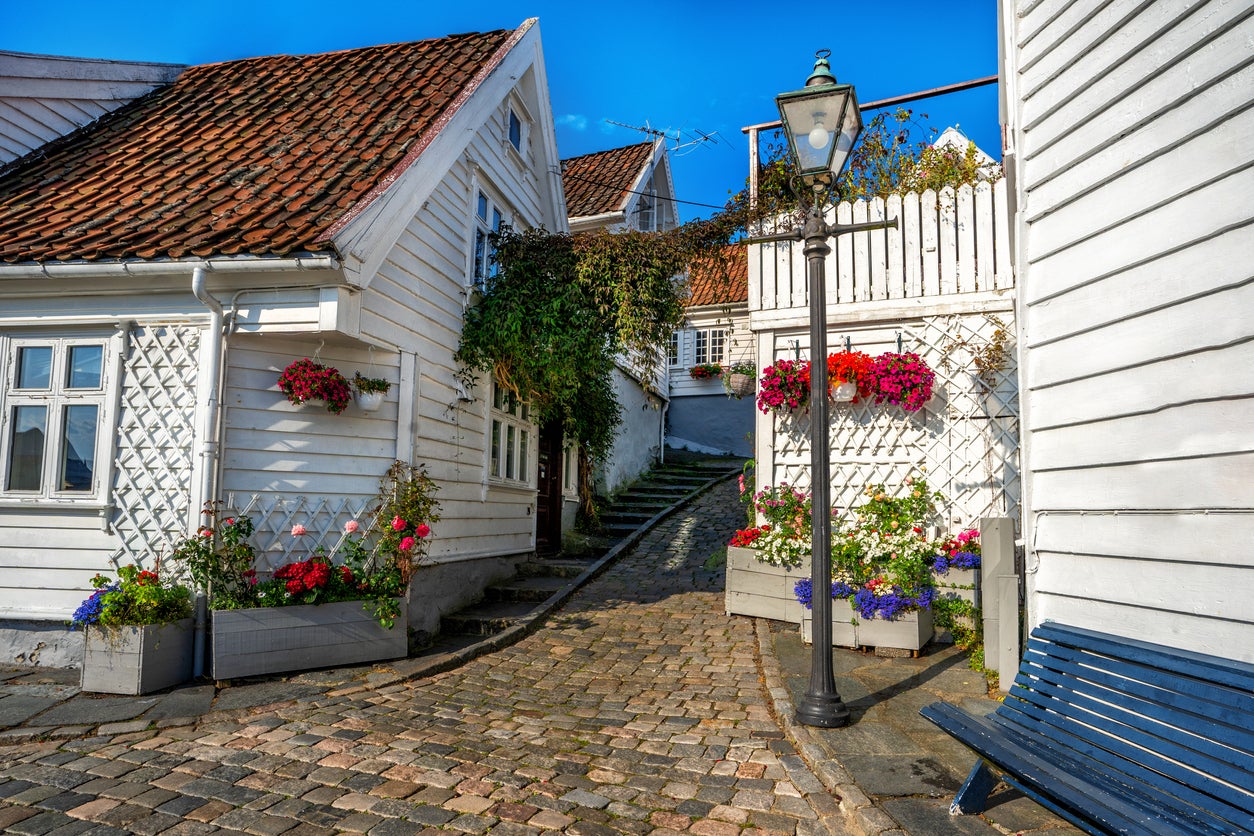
259,156
721,281
600,183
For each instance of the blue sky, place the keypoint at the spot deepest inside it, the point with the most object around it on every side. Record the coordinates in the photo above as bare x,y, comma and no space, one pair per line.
674,66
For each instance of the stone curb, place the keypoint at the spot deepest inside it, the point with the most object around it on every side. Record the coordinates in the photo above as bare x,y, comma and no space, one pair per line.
860,813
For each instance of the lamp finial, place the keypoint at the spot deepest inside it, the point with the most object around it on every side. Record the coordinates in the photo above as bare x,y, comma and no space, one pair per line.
822,73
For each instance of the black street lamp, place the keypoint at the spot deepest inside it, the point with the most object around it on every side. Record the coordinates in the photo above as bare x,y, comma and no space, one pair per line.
821,122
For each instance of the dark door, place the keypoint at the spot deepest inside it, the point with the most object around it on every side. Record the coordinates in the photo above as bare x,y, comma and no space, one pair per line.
549,496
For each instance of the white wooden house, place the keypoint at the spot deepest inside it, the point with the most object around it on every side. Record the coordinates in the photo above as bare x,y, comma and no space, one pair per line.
1130,145
162,266
702,415
615,190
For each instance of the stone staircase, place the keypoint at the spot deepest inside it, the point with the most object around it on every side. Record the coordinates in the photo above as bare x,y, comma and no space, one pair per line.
518,600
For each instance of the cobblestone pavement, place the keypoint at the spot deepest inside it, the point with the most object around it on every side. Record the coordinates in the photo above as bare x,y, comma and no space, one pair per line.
638,708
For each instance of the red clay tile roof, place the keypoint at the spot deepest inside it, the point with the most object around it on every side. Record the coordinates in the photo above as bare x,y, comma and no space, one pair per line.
720,281
258,156
598,183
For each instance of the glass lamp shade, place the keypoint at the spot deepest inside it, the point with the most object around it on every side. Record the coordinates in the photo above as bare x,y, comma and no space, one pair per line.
822,122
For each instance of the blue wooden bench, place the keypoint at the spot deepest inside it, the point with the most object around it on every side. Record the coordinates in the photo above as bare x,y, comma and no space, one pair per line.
1117,736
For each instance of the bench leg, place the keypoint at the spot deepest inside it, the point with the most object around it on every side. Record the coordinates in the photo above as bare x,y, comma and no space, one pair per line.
972,796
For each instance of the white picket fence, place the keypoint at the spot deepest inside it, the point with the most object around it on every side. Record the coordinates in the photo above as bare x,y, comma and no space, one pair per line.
946,243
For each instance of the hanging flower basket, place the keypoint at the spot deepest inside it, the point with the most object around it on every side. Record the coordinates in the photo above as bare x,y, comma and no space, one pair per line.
844,391
902,380
370,391
849,375
784,387
306,380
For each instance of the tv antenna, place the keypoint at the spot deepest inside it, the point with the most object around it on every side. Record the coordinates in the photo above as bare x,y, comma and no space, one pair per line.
681,140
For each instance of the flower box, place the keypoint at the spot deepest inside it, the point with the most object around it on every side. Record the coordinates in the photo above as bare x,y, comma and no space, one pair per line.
844,624
265,640
909,631
137,659
760,589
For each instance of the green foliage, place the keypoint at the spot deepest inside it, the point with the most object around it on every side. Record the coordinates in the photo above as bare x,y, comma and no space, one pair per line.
140,597
894,155
219,558
407,510
561,308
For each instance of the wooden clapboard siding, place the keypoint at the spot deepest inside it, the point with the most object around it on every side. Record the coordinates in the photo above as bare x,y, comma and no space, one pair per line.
54,551
734,318
47,96
1135,176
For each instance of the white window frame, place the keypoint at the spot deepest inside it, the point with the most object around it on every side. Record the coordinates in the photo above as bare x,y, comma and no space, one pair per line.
516,110
675,355
56,399
488,214
710,346
511,440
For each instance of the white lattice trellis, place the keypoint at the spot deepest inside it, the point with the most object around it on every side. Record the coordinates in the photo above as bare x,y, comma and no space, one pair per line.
274,515
965,440
155,445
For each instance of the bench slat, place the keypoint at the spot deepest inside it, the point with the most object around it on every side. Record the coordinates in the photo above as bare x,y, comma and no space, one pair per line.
1063,784
1178,701
1110,725
1229,672
1219,703
1145,779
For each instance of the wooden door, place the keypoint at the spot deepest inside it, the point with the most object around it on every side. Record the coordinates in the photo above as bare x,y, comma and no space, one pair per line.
549,490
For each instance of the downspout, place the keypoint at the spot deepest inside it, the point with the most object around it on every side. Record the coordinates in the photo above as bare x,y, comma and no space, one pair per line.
209,442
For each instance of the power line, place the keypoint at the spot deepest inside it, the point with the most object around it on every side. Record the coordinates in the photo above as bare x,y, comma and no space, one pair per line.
565,176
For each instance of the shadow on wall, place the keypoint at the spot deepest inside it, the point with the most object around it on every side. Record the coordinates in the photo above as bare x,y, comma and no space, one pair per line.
711,424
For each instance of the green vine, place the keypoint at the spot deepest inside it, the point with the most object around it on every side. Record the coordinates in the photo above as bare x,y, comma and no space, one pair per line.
562,309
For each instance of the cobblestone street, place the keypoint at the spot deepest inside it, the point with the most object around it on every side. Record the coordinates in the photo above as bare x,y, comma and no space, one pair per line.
638,708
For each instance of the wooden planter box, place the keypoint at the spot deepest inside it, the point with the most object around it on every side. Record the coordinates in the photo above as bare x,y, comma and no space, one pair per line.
265,640
137,660
844,625
960,583
910,631
759,589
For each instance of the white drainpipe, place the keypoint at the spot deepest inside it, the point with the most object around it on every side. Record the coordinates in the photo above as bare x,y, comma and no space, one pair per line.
209,440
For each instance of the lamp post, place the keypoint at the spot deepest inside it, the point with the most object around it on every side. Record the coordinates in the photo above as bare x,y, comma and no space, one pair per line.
821,122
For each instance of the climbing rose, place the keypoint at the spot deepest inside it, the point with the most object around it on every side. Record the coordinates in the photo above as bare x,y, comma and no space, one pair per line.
298,530
351,527
406,544
423,530
397,524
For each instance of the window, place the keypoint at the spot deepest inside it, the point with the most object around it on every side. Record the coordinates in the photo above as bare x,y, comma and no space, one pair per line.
54,402
515,131
646,215
672,357
489,218
711,345
510,442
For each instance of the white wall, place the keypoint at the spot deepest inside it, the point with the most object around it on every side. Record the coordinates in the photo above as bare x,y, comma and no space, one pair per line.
1135,193
638,442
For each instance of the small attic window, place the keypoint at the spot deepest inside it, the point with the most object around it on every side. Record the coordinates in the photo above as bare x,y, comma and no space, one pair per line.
515,130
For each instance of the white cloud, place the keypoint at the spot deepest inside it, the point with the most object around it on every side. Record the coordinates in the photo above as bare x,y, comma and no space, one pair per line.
574,121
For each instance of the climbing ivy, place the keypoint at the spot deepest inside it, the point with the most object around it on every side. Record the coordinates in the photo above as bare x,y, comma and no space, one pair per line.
562,309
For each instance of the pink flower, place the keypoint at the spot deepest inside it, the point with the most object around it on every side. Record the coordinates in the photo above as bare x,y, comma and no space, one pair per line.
351,527
407,543
298,530
423,530
397,524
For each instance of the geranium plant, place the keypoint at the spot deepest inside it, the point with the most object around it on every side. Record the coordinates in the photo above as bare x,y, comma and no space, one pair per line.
784,539
850,367
741,368
903,380
307,380
705,371
137,597
784,387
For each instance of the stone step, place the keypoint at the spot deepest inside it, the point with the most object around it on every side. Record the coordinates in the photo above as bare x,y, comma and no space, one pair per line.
486,619
535,589
556,567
